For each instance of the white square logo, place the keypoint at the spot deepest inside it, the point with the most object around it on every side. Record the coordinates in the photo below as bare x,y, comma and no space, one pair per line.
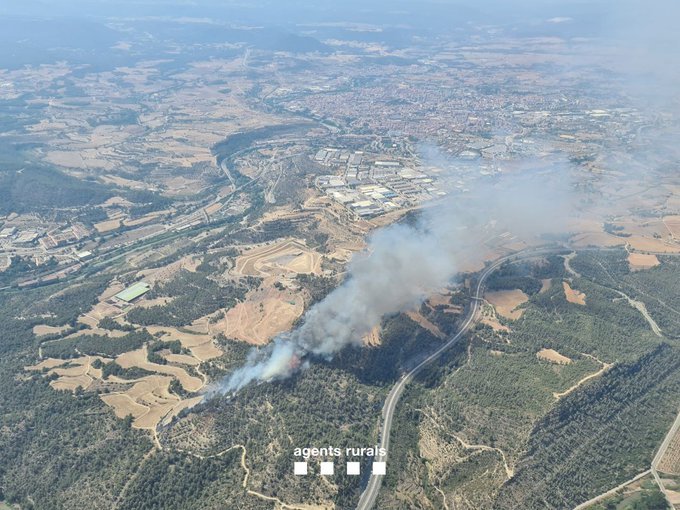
379,468
300,468
353,468
326,468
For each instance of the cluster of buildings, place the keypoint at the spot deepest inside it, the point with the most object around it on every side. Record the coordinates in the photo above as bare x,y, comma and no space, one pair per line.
29,237
62,237
14,237
369,187
330,157
11,236
475,109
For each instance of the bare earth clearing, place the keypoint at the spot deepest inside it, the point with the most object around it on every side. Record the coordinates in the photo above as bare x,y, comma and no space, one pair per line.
553,356
289,256
265,313
506,302
574,296
546,284
41,330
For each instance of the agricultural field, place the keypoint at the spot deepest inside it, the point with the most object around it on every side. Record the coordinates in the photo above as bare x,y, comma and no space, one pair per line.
670,462
553,356
640,261
507,302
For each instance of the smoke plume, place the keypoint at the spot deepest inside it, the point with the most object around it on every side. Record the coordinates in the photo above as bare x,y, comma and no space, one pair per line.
404,263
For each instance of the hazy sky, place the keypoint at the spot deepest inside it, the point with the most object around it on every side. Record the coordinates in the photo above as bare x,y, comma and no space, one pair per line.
388,11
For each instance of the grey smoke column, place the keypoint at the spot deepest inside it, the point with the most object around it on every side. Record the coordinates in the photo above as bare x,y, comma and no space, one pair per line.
404,263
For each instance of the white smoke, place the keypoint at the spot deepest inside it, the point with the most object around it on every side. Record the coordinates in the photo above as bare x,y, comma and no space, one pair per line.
404,264
401,267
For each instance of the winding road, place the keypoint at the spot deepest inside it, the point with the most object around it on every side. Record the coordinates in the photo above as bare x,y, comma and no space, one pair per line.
370,494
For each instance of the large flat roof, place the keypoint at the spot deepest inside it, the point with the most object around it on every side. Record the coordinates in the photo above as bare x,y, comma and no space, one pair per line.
133,291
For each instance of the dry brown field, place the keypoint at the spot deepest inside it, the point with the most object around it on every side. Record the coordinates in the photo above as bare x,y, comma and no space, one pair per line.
442,298
165,273
425,323
117,201
148,400
125,183
42,329
213,208
139,359
46,363
573,296
670,462
72,373
652,244
596,239
206,351
123,405
200,344
640,261
492,320
71,383
553,356
506,302
183,359
672,223
373,337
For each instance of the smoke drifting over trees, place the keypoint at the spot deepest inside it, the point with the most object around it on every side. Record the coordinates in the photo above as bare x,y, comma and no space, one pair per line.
404,263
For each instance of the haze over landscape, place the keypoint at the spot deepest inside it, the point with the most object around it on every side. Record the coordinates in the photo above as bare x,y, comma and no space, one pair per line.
333,255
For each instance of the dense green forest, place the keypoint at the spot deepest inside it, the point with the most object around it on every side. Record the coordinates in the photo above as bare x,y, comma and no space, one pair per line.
600,436
96,345
57,450
656,287
493,391
176,480
38,188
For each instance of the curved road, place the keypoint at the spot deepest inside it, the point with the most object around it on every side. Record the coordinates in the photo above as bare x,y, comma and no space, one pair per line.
370,494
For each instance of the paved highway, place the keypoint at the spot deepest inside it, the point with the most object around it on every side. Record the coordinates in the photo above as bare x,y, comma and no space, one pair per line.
370,494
